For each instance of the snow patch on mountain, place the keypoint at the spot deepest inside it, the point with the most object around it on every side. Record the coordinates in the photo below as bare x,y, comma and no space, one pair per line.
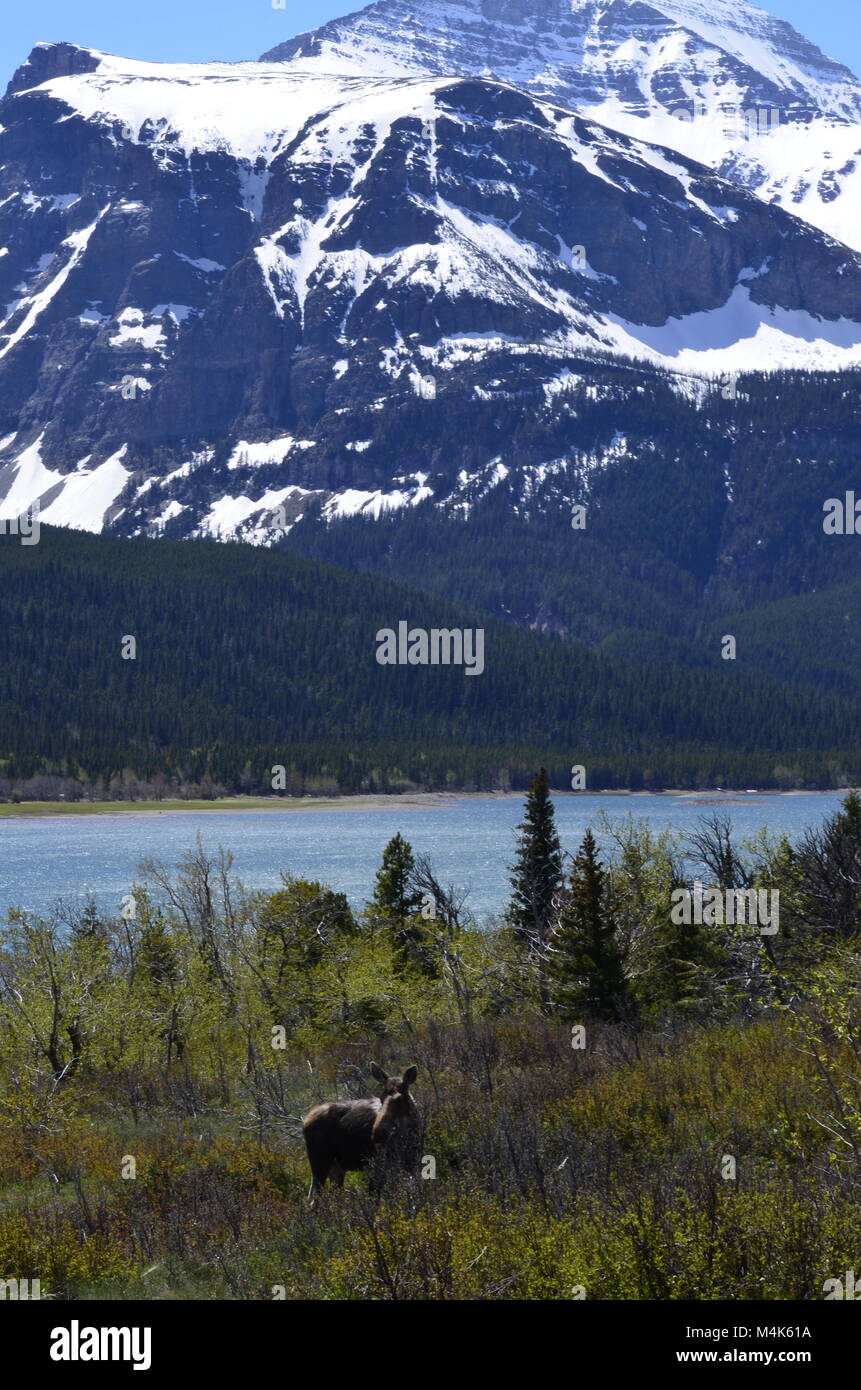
353,501
227,515
742,336
248,455
248,110
88,494
132,329
37,303
79,499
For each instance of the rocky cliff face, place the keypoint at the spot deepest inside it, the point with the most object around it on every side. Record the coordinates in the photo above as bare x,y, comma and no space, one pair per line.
718,80
235,294
582,52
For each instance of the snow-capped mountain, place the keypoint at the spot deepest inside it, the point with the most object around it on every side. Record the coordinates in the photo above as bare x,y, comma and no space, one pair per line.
718,80
234,294
580,53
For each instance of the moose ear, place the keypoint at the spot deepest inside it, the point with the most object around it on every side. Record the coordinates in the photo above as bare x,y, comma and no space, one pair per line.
410,1075
378,1072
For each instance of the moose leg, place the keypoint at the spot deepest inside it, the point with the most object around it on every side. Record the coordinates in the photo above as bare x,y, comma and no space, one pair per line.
318,1182
320,1167
336,1174
377,1170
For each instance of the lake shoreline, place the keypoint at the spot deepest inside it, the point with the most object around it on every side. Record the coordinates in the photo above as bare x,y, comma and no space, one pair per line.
370,801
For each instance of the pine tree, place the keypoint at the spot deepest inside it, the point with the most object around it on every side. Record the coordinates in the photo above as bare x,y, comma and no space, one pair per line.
683,964
395,894
158,976
585,966
536,875
157,954
396,901
829,859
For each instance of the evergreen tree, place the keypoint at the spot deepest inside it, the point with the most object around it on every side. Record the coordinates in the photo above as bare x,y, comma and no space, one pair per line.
536,875
684,961
159,972
395,894
829,860
585,964
157,953
397,900
87,922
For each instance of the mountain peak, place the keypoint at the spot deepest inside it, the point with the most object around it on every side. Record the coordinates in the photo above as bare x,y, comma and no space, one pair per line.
50,60
662,54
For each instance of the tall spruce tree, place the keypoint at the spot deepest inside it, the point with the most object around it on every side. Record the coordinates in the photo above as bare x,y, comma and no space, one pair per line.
585,969
684,961
829,858
395,894
536,875
396,901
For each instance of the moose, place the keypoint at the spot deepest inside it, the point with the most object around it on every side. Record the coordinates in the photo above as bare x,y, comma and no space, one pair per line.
350,1135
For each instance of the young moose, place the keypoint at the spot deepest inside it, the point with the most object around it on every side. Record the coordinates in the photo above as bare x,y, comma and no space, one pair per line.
343,1136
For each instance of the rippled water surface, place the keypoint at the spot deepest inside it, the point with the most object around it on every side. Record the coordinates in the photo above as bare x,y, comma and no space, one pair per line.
470,841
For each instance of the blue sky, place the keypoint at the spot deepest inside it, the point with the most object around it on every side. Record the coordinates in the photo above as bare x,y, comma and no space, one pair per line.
200,30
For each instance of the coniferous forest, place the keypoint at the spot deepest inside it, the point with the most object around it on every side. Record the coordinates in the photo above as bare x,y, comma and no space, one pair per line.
246,660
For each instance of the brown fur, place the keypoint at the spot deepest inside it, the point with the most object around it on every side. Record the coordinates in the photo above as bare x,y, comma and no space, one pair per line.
345,1136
